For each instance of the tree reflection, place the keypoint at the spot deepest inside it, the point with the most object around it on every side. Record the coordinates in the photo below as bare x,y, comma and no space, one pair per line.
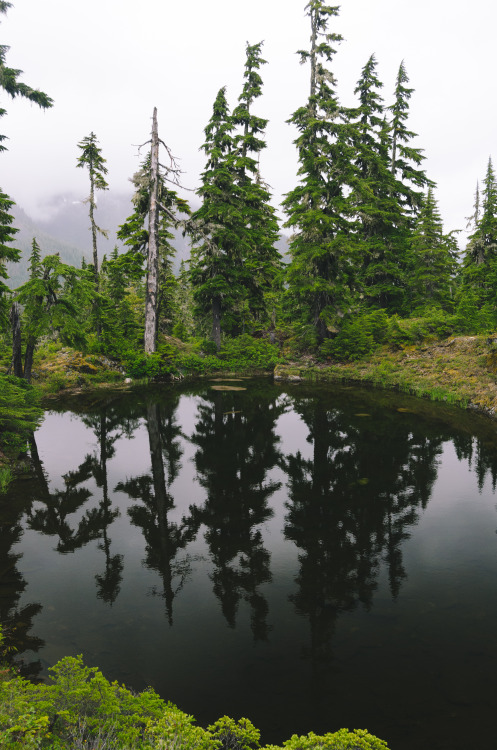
17,620
350,508
164,539
55,517
236,448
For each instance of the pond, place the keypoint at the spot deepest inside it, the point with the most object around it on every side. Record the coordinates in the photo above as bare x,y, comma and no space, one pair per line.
311,558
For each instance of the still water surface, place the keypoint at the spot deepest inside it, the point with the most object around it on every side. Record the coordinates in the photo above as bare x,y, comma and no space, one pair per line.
309,558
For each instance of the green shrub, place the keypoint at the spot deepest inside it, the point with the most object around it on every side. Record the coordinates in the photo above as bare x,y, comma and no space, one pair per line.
354,341
358,739
434,324
234,735
55,382
180,331
19,413
376,324
157,365
5,478
80,708
247,353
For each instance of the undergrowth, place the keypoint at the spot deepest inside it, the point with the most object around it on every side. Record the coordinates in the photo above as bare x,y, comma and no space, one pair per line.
79,708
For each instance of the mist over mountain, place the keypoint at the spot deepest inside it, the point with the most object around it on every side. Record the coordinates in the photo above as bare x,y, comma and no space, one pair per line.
64,228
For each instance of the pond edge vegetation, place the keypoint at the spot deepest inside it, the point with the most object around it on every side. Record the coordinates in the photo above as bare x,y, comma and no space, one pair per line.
79,708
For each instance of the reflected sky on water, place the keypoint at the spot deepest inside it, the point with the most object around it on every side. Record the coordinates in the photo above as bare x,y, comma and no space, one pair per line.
309,558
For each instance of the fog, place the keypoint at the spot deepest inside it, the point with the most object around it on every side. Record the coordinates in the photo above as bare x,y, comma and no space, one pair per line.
108,63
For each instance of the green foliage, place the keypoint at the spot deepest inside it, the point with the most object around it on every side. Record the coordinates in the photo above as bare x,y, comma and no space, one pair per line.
352,342
358,739
81,709
19,413
10,83
56,298
247,353
358,337
318,209
139,365
180,331
243,353
234,263
55,383
235,735
5,478
434,324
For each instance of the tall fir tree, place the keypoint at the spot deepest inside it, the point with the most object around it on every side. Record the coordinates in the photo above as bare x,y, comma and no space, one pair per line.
91,158
479,272
381,269
406,160
434,258
320,273
218,274
263,260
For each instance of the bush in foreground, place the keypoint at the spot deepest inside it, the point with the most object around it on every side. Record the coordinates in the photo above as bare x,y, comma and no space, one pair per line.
80,708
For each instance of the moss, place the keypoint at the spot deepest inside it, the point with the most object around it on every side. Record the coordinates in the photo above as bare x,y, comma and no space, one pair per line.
458,371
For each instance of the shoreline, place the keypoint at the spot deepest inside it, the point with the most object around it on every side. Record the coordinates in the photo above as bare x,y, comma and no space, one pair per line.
459,371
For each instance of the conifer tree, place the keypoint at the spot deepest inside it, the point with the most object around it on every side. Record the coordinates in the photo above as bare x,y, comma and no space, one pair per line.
7,252
434,257
379,216
218,275
318,209
263,259
119,324
480,261
10,83
33,309
406,160
411,181
53,298
92,159
387,192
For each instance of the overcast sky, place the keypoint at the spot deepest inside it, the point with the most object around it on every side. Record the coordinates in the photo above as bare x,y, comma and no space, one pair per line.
107,63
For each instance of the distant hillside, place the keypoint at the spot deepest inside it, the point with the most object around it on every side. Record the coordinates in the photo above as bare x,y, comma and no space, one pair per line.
65,229
49,245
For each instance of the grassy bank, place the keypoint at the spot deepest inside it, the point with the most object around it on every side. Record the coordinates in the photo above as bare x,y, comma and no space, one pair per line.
460,371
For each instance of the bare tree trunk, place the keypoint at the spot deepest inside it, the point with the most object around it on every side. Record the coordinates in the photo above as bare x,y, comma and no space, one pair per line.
96,306
216,322
153,232
15,320
272,330
93,227
28,359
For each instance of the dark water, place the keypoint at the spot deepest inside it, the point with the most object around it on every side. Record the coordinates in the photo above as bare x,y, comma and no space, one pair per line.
308,558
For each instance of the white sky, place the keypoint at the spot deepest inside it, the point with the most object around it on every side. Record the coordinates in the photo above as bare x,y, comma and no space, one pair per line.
107,63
